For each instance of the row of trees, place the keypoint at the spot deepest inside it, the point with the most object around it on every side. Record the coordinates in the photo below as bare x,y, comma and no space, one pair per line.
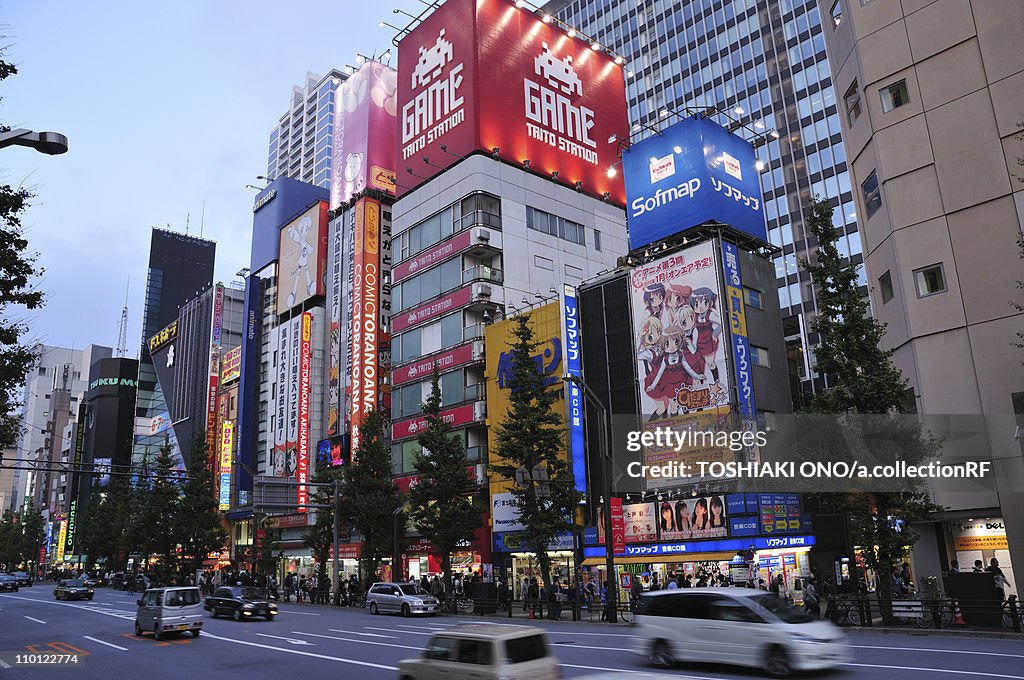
20,537
156,511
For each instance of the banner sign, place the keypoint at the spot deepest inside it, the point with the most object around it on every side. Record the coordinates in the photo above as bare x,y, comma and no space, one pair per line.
431,310
726,545
305,368
460,415
574,395
445,361
436,255
618,527
740,345
366,283
780,512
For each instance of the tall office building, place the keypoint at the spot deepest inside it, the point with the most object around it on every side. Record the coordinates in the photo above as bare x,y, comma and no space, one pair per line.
301,143
933,94
763,62
60,374
180,266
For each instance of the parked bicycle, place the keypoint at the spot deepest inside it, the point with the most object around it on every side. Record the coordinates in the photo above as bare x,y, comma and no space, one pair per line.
457,605
1012,610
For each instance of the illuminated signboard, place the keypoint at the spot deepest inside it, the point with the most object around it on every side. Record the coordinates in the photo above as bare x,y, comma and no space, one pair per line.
485,75
690,173
218,314
737,320
211,400
224,498
366,281
165,335
574,395
227,445
305,368
231,365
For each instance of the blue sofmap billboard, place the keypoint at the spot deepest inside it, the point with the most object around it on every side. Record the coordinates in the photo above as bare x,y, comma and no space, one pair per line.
693,172
574,400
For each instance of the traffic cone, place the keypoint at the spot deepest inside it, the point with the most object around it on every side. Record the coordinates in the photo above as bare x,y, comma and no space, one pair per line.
958,617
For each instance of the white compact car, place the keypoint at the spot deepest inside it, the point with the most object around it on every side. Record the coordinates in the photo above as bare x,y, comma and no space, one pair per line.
735,626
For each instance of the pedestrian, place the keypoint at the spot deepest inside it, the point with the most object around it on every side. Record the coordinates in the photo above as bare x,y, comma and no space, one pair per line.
979,567
999,578
954,567
672,585
425,584
811,598
301,590
524,592
273,587
533,595
776,582
289,583
604,602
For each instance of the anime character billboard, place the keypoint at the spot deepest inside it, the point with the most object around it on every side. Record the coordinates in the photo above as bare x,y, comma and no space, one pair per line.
678,331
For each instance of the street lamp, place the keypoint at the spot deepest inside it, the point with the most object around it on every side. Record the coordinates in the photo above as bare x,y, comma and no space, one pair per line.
52,143
609,551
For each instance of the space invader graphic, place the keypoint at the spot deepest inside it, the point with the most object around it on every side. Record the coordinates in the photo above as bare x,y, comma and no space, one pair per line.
559,73
431,61
306,249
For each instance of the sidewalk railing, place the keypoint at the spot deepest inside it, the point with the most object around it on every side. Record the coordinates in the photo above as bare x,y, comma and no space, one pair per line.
941,612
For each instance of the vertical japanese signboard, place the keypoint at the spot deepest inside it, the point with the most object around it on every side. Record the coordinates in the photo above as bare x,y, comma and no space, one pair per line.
305,352
574,395
365,313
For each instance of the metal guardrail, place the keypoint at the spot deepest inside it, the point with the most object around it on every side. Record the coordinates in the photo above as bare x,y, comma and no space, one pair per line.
940,612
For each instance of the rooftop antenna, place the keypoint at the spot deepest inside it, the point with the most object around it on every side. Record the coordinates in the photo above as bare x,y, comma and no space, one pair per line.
122,331
202,220
186,223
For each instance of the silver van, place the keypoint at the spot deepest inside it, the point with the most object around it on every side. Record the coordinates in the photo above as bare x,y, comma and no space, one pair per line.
169,610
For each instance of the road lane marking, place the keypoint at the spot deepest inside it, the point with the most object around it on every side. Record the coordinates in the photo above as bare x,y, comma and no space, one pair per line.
943,651
430,628
300,652
289,640
36,620
936,670
390,630
355,632
363,642
626,670
108,644
285,611
568,644
4,664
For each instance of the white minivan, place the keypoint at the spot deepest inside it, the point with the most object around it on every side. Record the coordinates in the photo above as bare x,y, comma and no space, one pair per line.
164,611
738,626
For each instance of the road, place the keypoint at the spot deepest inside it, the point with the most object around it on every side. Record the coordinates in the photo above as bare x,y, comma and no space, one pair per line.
318,641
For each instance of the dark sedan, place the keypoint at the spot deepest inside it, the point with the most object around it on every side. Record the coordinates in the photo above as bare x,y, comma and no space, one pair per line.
8,583
239,603
73,589
24,580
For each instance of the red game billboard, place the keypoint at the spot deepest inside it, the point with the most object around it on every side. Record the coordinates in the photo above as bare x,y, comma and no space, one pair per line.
485,75
364,133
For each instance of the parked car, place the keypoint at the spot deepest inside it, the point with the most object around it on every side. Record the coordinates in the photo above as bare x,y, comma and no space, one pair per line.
487,651
8,583
164,611
737,626
73,589
403,598
239,603
24,580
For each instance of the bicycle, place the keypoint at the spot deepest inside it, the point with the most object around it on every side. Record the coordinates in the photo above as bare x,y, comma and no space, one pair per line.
1012,608
458,605
942,608
846,612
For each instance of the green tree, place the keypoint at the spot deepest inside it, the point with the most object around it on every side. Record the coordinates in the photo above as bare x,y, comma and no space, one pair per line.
152,527
320,536
198,525
17,272
21,536
865,392
369,497
440,504
533,434
8,541
106,522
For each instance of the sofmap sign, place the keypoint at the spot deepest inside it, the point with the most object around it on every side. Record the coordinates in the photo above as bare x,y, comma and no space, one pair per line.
485,75
725,545
693,172
574,399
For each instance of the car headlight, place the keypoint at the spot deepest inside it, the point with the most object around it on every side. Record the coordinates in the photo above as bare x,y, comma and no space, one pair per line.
416,602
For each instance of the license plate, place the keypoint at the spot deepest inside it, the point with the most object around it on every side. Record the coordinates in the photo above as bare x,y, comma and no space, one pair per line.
183,626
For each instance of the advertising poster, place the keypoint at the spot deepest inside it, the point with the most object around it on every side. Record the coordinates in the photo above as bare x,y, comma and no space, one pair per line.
231,365
302,262
618,526
692,172
365,126
480,76
779,512
680,348
639,522
366,284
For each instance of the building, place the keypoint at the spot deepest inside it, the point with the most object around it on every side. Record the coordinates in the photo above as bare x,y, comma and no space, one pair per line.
931,109
186,356
499,205
180,267
763,61
301,143
59,374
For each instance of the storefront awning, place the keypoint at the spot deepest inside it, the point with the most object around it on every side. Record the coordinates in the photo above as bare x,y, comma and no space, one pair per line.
663,559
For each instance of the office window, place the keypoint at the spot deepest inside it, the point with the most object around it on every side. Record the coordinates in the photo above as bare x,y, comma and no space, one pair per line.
885,286
872,194
597,240
753,298
759,356
894,96
852,101
930,280
837,14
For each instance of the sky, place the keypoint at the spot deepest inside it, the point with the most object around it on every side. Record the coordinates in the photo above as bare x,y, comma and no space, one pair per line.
168,109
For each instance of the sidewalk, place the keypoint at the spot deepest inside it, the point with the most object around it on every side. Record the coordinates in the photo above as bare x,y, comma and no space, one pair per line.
952,631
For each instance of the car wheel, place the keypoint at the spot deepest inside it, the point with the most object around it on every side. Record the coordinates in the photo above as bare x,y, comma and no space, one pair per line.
195,632
157,636
406,611
777,664
89,598
661,655
237,615
373,607
138,629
